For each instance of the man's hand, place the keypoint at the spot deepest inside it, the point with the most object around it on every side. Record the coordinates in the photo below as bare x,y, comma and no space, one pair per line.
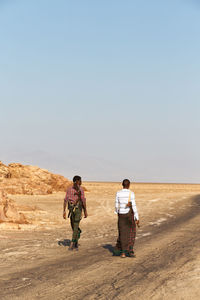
85,214
64,214
129,204
137,222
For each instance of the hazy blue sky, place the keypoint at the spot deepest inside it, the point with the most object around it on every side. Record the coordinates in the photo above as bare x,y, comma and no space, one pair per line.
105,89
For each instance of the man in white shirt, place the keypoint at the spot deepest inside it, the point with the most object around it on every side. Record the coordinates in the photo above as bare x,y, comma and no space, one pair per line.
128,217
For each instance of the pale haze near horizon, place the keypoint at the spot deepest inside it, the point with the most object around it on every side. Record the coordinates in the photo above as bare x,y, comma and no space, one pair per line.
104,89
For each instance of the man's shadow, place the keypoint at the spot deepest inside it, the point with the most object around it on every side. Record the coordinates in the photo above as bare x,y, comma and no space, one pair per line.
110,248
64,243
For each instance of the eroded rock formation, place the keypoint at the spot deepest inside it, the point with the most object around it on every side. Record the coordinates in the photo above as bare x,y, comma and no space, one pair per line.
20,179
9,211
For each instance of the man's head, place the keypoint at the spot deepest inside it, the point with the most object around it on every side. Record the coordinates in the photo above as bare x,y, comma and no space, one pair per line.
77,180
126,183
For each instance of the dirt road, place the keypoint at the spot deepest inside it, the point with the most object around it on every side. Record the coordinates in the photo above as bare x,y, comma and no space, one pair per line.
167,263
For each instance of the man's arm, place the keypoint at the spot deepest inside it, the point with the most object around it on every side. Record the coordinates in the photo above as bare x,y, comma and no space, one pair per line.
83,199
116,204
134,207
65,205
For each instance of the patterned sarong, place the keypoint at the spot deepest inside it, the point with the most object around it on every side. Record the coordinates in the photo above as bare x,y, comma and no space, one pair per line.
127,233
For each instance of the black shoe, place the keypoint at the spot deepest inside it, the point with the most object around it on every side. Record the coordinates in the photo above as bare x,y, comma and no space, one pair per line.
76,246
132,255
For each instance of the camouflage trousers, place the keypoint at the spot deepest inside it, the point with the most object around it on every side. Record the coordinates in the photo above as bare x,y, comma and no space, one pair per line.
75,219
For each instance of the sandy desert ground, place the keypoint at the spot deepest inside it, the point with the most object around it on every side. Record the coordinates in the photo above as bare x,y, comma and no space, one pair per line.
35,262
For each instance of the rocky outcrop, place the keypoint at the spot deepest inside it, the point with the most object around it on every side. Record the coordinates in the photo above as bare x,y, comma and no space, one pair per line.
4,171
21,179
9,212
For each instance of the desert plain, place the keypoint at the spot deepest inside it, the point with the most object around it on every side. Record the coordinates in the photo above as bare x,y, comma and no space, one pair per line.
35,262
